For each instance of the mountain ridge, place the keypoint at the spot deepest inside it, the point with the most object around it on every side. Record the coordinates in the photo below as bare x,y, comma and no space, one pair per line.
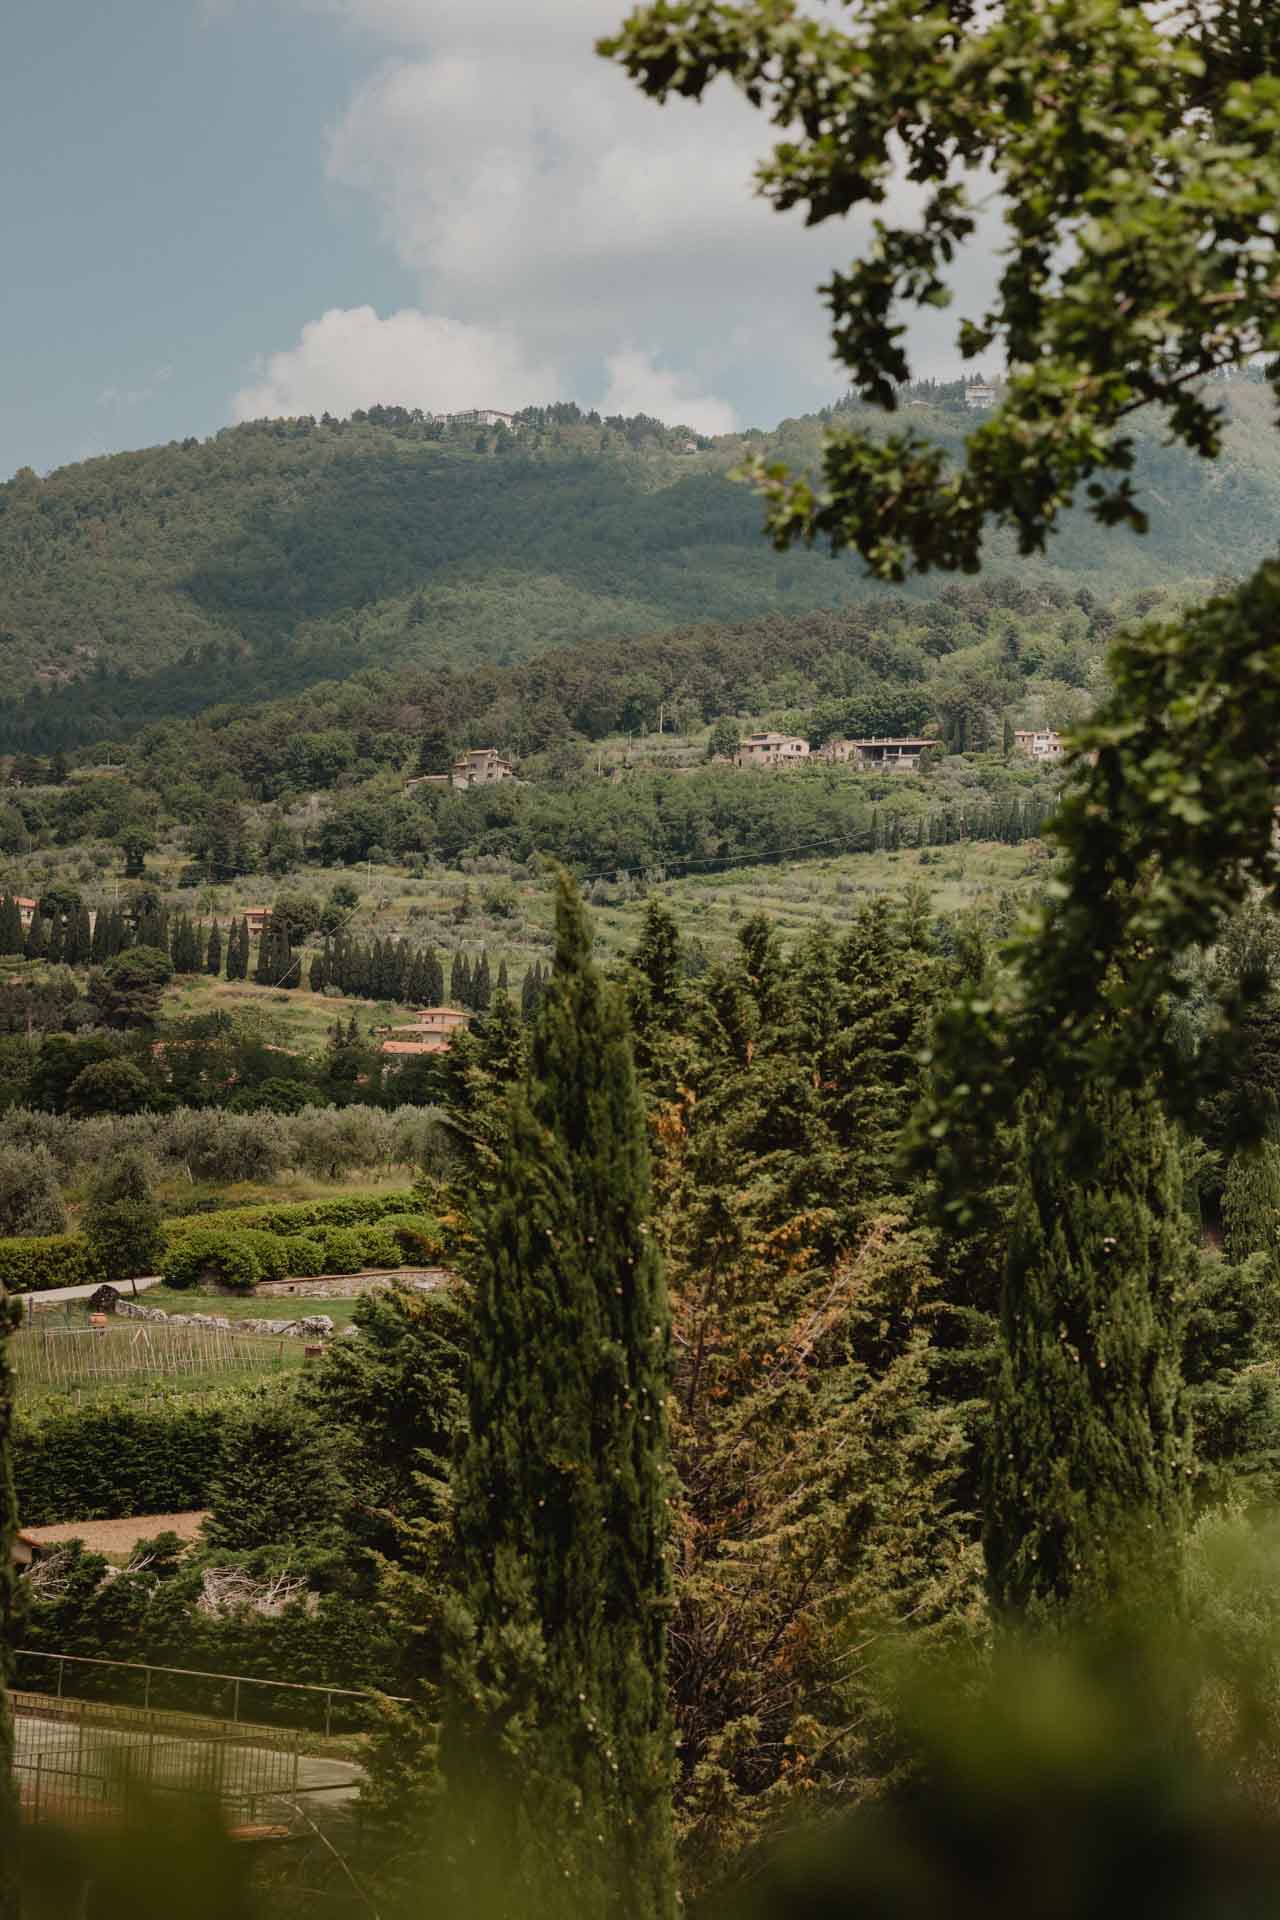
277,554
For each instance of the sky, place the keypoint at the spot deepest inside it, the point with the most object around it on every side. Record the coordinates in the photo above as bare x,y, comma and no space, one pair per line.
216,210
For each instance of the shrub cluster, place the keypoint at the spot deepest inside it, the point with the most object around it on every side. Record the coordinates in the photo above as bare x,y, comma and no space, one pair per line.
109,1460
305,1216
32,1264
242,1256
246,1244
208,1256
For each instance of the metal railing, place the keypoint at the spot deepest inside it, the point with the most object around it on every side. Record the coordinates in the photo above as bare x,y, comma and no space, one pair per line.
87,1760
235,1681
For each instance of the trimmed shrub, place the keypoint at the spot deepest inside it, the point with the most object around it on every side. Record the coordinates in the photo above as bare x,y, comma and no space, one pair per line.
209,1256
268,1249
303,1255
109,1461
419,1238
381,1248
341,1250
51,1260
352,1210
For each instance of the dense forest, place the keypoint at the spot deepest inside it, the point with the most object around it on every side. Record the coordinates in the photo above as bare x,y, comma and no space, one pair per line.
282,553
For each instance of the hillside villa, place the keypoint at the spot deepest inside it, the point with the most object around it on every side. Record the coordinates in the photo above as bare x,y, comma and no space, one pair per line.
1041,743
430,1031
772,750
882,753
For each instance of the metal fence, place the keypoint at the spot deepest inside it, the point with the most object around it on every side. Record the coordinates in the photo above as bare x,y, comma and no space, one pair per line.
220,1696
69,1357
78,1761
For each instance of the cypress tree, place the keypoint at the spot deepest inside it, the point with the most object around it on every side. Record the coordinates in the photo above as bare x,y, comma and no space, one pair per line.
316,973
10,925
504,978
98,938
556,1740
213,952
1089,1460
435,978
55,947
460,981
36,944
482,983
1251,1210
84,937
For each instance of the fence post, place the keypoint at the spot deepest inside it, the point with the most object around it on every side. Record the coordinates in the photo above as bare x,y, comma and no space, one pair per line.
35,1805
146,1690
61,1667
328,1711
235,1700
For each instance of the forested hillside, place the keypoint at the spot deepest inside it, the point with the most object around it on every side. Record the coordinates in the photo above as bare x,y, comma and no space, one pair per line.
282,553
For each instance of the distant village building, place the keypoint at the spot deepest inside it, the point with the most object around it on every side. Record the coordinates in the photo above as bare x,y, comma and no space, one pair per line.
479,766
772,750
430,1031
479,417
890,752
256,919
26,909
1041,743
980,396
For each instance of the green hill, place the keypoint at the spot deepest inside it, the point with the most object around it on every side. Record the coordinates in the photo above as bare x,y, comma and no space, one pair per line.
278,554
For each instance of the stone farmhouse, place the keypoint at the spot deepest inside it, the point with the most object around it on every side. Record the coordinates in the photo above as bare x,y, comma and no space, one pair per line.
1041,743
479,766
771,750
430,1031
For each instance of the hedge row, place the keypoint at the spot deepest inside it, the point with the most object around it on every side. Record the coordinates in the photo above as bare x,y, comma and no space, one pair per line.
110,1461
32,1264
239,1259
352,1210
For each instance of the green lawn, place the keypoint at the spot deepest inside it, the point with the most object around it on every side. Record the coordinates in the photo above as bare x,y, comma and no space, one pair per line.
237,1306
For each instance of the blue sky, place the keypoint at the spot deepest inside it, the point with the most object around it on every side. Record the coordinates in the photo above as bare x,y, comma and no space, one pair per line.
217,209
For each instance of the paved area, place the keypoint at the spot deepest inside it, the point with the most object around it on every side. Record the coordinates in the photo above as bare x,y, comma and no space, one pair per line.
75,1759
63,1296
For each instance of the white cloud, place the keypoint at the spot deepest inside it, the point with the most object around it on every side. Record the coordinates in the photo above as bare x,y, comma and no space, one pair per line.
538,198
636,385
352,358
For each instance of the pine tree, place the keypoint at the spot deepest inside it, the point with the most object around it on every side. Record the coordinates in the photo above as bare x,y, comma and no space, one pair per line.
556,1742
1087,1480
